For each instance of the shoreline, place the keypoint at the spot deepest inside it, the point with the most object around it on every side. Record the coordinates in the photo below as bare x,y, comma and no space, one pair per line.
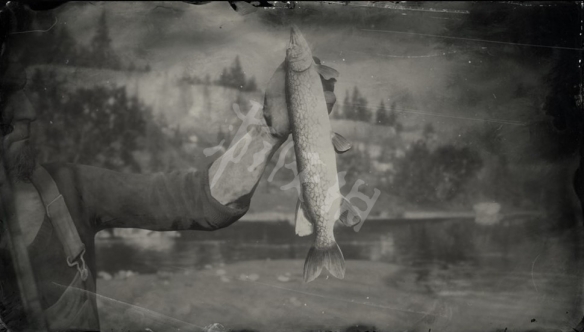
269,295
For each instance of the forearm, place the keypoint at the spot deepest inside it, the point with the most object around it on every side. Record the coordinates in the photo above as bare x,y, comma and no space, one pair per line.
236,173
197,200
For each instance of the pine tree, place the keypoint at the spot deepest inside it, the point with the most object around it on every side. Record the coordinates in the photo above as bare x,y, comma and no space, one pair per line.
346,110
64,49
381,114
251,85
358,110
206,99
101,49
224,78
392,117
362,112
352,115
237,75
399,127
428,131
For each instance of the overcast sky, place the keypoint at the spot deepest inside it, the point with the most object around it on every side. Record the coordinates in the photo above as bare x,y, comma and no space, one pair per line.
455,82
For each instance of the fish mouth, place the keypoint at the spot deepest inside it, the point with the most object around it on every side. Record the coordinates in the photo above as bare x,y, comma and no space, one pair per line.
297,41
298,52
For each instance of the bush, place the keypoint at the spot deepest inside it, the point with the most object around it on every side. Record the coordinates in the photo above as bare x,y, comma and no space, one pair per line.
425,176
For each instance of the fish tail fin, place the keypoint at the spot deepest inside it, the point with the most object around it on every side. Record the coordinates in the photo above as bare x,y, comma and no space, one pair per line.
329,257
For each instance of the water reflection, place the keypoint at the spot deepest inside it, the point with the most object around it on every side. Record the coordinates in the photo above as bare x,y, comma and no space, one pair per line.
486,272
425,246
412,243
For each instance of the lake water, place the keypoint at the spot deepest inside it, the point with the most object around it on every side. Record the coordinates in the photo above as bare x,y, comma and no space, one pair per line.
500,269
424,245
401,242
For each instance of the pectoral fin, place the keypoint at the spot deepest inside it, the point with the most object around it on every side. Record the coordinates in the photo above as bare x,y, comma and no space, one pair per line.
349,215
303,226
327,72
340,143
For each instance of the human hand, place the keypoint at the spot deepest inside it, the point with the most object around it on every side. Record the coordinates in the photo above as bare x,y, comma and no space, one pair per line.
275,108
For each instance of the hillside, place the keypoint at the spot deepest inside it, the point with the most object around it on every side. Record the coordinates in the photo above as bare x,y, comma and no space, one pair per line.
194,116
176,101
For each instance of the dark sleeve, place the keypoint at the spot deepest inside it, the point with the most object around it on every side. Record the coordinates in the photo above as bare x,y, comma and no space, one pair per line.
179,200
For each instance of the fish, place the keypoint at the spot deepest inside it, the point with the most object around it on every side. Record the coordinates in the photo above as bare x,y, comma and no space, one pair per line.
320,204
274,99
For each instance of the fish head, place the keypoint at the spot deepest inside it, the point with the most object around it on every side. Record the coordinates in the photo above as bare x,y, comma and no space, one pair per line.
298,54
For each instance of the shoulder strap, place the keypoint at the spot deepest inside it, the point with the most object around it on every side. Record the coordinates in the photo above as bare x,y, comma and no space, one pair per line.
60,217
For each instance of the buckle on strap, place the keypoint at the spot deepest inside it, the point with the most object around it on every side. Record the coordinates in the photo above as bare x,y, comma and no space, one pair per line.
81,268
48,205
63,224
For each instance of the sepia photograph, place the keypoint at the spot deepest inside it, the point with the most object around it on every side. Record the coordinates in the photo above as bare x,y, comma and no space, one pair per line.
247,166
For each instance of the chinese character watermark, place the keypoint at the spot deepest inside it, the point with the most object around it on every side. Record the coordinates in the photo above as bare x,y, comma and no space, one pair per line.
240,145
241,140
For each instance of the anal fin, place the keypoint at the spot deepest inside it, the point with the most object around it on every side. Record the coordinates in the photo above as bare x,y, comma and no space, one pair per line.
303,226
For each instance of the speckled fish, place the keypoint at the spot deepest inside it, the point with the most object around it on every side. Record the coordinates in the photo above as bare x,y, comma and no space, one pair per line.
321,204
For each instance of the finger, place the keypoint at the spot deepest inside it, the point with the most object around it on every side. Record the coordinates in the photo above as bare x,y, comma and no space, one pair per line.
275,108
330,107
331,99
328,85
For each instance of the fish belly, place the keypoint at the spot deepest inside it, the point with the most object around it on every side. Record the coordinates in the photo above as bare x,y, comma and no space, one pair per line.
315,154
